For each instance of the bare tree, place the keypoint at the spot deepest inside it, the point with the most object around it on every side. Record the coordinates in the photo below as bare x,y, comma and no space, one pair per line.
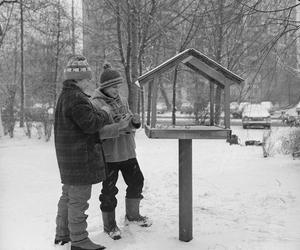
2,2
188,32
45,30
22,66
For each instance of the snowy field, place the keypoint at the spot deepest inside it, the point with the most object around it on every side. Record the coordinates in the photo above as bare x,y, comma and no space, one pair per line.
242,201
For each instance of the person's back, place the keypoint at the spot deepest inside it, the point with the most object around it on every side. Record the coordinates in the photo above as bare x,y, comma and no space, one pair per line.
76,137
79,155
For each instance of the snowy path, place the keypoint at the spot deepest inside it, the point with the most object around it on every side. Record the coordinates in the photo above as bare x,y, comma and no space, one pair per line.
241,200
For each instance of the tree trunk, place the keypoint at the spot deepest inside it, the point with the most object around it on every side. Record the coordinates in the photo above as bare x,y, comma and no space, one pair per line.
22,67
164,94
160,83
12,89
1,127
57,54
219,49
73,29
133,89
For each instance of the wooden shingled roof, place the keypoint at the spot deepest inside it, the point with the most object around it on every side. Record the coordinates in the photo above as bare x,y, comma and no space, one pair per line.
198,62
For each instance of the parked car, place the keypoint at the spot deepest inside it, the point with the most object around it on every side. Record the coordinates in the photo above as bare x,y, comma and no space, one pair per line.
298,109
291,117
161,108
269,106
256,115
234,106
242,106
186,108
234,110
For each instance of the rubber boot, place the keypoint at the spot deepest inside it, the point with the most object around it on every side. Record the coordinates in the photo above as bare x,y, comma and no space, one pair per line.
110,225
86,244
133,213
62,241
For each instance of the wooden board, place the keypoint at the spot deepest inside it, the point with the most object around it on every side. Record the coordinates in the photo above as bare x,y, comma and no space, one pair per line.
185,132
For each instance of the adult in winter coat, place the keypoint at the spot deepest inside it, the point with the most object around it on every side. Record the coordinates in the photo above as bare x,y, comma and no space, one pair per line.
78,152
119,150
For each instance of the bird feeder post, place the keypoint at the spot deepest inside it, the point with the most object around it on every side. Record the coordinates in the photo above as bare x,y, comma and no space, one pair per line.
185,190
163,127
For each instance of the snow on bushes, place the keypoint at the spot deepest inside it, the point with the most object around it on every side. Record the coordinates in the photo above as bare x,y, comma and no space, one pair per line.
284,140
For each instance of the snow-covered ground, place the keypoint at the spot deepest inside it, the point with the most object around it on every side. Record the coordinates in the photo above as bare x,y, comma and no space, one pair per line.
241,200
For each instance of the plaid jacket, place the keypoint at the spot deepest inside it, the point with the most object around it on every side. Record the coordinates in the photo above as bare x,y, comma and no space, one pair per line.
78,149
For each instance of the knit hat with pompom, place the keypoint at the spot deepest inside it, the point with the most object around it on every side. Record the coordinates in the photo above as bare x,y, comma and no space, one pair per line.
77,68
109,77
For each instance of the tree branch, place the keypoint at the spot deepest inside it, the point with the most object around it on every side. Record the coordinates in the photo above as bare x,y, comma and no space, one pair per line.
8,2
270,11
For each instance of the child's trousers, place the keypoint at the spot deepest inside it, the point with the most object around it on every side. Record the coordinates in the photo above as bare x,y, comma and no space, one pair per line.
71,218
133,177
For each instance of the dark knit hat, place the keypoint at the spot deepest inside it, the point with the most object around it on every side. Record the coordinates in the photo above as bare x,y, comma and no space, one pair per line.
77,68
109,77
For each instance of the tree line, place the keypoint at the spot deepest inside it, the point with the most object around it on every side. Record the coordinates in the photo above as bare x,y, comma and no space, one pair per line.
256,39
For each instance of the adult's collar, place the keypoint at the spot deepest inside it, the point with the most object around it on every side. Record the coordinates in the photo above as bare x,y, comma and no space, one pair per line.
71,84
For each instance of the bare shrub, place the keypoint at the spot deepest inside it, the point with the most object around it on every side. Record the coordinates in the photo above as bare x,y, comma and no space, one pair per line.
282,141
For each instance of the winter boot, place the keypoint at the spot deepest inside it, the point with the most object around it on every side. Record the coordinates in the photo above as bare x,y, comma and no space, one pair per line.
86,244
62,241
133,214
110,225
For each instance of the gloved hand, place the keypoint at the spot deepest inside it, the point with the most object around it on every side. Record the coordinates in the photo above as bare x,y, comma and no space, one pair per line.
136,119
124,122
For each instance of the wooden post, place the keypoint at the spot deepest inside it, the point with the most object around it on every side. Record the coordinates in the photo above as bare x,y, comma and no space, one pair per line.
185,190
154,102
227,106
212,102
143,105
149,102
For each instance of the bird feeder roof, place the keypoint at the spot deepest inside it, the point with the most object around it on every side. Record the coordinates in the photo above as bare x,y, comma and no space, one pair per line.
198,62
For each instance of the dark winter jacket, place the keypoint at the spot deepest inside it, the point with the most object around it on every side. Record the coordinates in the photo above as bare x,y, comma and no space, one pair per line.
78,149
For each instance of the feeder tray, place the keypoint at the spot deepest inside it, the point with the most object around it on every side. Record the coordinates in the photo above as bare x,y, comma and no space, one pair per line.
187,132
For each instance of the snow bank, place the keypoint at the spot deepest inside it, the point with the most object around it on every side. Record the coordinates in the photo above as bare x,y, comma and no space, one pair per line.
241,201
283,140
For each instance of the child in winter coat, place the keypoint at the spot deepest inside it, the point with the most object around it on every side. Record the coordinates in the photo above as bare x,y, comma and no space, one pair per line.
119,151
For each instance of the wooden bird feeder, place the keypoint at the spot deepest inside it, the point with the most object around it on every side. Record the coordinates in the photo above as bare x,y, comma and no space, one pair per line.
162,126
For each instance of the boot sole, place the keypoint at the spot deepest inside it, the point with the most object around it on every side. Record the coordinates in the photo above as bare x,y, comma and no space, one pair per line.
137,223
61,242
80,248
116,237
113,237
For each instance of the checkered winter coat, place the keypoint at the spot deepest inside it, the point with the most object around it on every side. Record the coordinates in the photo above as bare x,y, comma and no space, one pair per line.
76,126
